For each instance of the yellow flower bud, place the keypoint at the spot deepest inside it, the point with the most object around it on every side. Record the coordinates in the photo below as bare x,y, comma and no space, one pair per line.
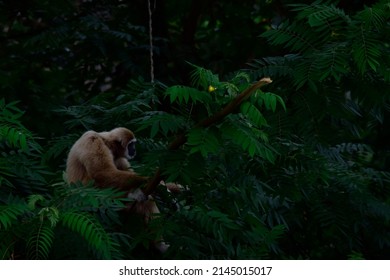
211,88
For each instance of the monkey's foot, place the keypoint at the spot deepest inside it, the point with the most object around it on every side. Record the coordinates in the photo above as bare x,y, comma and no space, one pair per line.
161,246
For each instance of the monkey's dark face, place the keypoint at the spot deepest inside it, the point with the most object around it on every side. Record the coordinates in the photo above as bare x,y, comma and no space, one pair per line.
130,150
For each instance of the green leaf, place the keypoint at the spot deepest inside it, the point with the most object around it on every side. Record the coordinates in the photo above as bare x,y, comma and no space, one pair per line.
250,139
89,228
10,214
203,141
270,100
203,78
250,111
160,122
183,94
366,50
182,167
33,200
40,241
293,36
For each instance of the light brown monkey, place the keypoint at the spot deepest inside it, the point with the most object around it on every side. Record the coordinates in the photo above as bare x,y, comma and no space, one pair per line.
102,157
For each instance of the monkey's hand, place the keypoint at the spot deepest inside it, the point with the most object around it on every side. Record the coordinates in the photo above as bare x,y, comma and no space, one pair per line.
173,187
137,195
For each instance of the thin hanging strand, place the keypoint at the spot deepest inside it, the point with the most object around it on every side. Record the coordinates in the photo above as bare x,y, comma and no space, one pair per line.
151,44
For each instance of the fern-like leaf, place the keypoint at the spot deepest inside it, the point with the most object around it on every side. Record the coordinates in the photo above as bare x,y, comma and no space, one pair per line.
40,242
14,137
184,94
203,78
87,197
11,130
293,36
58,146
33,200
375,16
183,167
160,122
9,214
269,100
307,73
249,139
321,15
253,113
203,141
366,50
274,66
333,62
91,230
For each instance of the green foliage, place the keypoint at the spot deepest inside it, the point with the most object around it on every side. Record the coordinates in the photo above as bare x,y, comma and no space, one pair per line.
20,162
63,54
331,169
9,213
198,161
40,242
187,94
324,37
203,140
301,172
160,121
34,214
47,224
12,132
247,137
92,231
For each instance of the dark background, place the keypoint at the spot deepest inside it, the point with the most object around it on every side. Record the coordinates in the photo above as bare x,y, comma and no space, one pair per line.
70,64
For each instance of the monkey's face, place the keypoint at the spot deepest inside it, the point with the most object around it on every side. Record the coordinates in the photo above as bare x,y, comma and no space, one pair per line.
121,142
130,149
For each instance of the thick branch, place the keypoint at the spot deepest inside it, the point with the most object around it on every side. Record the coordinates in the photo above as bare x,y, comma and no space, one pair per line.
217,117
232,106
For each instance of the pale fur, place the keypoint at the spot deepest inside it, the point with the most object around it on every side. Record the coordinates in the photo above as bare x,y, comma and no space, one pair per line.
101,157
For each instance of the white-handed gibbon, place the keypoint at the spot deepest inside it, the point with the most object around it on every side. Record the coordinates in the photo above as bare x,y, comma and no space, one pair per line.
102,157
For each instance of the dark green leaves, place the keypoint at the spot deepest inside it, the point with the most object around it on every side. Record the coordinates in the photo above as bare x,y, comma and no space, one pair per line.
10,213
326,37
203,78
254,114
160,122
204,141
293,36
11,131
183,94
269,100
323,16
250,139
40,242
183,167
366,50
91,230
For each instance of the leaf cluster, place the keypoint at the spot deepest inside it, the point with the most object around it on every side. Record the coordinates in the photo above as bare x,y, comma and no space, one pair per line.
202,153
39,227
333,166
301,174
329,44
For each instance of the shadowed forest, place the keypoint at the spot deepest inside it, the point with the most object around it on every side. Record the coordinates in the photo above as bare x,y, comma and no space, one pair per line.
296,169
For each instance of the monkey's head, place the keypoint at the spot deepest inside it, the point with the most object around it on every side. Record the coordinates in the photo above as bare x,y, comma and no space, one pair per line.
121,142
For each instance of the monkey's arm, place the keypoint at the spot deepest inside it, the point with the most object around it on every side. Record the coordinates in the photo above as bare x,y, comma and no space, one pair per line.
113,177
123,164
100,166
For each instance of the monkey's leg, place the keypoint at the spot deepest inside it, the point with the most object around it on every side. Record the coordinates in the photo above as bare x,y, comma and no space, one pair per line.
149,210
